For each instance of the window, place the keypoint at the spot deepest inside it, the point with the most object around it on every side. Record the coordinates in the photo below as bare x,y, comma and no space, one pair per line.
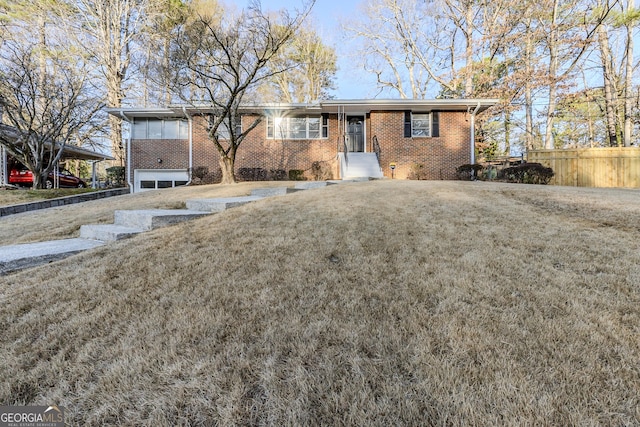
160,129
297,127
421,125
223,130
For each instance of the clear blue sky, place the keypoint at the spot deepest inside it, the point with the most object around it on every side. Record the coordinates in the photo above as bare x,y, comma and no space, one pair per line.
327,16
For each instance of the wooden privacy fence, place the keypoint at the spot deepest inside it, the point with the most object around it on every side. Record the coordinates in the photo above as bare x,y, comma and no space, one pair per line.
592,167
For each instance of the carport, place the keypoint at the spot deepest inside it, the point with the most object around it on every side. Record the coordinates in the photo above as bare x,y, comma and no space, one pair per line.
70,152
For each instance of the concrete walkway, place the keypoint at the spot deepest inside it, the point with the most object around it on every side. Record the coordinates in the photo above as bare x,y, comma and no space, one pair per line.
128,223
17,257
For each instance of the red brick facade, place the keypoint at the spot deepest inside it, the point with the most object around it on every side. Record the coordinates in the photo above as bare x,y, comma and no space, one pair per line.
439,156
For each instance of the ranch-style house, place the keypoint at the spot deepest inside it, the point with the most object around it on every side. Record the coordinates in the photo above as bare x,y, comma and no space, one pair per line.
332,139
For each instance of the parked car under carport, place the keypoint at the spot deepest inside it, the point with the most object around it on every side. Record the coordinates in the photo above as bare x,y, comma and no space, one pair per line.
24,177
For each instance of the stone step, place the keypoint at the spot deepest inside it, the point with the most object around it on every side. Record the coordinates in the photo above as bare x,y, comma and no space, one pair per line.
308,185
151,219
276,191
108,232
219,204
18,257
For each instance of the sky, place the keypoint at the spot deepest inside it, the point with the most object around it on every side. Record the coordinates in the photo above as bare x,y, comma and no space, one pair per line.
327,16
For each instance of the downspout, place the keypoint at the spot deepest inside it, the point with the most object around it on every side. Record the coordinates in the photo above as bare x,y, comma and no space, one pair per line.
473,133
190,120
124,117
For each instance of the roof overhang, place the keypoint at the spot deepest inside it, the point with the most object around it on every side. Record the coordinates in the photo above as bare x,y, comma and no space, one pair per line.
79,153
328,106
426,105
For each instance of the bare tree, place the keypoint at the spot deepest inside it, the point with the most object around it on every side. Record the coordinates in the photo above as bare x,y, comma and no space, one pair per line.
312,69
225,60
45,107
108,29
631,17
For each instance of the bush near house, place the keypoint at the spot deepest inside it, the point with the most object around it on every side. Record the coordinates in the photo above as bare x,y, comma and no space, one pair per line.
468,171
296,175
278,175
527,173
252,174
321,171
115,176
417,172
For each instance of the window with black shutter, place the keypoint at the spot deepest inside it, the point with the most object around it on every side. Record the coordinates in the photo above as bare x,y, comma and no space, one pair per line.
407,124
435,124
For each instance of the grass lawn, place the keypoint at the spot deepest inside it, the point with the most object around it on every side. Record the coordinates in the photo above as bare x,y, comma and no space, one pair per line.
375,303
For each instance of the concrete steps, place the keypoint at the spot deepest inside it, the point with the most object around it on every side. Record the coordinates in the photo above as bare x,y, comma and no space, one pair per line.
128,223
150,219
360,165
309,185
108,232
17,257
219,204
275,191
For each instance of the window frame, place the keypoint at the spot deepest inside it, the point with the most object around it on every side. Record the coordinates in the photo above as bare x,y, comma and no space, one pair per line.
180,131
225,134
316,127
428,119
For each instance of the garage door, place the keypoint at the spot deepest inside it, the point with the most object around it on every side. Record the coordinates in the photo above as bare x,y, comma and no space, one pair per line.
154,179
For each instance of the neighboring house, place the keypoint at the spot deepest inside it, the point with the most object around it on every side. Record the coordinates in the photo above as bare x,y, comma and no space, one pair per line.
380,137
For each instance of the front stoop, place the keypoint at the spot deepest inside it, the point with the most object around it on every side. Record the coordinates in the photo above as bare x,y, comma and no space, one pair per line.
360,166
220,204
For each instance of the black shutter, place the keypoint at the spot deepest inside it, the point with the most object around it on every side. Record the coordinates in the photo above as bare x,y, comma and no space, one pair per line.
325,125
435,124
407,124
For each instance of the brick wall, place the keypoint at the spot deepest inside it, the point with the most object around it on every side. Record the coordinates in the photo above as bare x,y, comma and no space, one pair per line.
257,151
439,156
174,154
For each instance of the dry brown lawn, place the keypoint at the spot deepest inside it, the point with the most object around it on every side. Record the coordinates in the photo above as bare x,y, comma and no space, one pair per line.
376,303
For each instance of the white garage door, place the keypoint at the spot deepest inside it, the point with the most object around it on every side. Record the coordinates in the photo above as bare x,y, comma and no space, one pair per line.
153,179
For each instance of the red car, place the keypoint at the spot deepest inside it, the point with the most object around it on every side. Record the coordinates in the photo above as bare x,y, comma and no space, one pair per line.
65,179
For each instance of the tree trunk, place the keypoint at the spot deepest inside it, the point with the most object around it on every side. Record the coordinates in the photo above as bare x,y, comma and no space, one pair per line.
609,94
227,164
115,124
553,76
528,92
507,133
628,83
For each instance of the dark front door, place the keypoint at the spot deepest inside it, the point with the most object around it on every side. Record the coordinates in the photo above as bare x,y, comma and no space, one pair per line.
355,133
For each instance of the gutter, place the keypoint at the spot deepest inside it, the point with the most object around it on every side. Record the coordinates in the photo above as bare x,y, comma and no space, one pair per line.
125,118
473,133
190,120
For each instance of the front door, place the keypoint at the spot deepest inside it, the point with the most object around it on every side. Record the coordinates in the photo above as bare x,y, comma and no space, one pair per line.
355,133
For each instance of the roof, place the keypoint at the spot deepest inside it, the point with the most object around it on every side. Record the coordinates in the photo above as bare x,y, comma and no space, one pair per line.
70,151
327,106
73,152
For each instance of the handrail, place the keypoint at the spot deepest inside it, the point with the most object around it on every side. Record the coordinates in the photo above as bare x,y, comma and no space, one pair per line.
345,150
376,147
